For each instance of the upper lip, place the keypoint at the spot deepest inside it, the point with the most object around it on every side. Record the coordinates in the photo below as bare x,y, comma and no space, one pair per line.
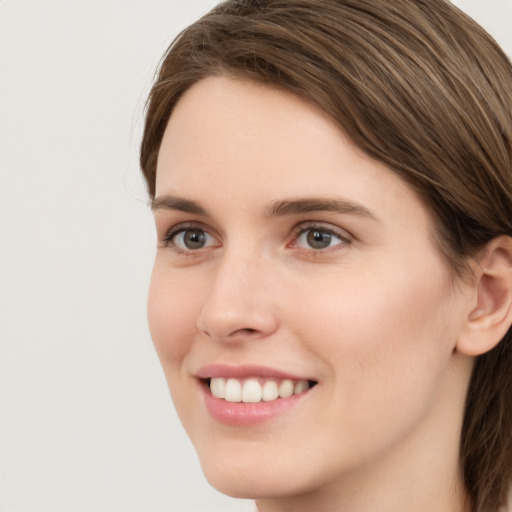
245,371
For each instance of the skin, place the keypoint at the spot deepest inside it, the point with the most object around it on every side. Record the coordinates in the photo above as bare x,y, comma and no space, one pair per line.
374,317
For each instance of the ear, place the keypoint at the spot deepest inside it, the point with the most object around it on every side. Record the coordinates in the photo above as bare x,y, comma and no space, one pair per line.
491,317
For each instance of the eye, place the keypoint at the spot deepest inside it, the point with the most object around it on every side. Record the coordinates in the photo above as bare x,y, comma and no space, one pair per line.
189,238
319,238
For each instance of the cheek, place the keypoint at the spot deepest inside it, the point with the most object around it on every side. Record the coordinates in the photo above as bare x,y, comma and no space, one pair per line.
386,342
172,312
385,330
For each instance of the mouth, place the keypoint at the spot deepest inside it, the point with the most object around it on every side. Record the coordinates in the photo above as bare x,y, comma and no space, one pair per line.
249,395
256,389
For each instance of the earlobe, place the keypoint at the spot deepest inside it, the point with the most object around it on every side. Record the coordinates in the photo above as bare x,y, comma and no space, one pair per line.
491,317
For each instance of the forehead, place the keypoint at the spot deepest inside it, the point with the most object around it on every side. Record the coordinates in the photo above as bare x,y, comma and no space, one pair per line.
239,121
238,139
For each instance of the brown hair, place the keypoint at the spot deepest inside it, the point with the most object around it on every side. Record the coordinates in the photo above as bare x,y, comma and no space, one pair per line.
417,85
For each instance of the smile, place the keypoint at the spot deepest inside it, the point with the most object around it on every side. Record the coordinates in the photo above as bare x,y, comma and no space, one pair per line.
249,395
254,390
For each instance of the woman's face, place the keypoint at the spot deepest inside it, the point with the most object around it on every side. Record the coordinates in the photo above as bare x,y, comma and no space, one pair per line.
289,260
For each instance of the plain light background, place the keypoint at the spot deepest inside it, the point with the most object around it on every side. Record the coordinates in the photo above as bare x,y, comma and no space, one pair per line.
86,423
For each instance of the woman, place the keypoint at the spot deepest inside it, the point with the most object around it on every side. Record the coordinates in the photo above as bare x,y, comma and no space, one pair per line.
331,299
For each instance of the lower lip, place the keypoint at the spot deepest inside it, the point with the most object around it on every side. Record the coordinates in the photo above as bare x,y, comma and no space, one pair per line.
246,414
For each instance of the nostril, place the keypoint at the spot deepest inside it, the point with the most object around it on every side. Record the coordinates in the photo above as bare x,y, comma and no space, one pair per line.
246,331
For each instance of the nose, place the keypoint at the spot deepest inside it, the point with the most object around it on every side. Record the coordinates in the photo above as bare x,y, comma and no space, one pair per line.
240,303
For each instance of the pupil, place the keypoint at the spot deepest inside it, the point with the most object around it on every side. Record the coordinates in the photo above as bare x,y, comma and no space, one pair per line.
319,239
194,239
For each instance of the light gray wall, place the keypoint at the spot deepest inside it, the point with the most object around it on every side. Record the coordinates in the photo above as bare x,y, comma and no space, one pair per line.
86,423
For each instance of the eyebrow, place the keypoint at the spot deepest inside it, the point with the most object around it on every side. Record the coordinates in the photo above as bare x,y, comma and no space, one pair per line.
319,204
169,202
277,208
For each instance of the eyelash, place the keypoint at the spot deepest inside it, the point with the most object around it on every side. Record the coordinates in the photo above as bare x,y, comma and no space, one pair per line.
297,231
168,239
304,227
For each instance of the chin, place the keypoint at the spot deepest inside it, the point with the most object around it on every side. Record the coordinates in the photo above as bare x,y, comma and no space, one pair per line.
247,476
257,483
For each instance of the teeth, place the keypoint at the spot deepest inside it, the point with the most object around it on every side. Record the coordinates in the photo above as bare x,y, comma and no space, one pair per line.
286,389
233,391
218,387
269,391
300,386
251,391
